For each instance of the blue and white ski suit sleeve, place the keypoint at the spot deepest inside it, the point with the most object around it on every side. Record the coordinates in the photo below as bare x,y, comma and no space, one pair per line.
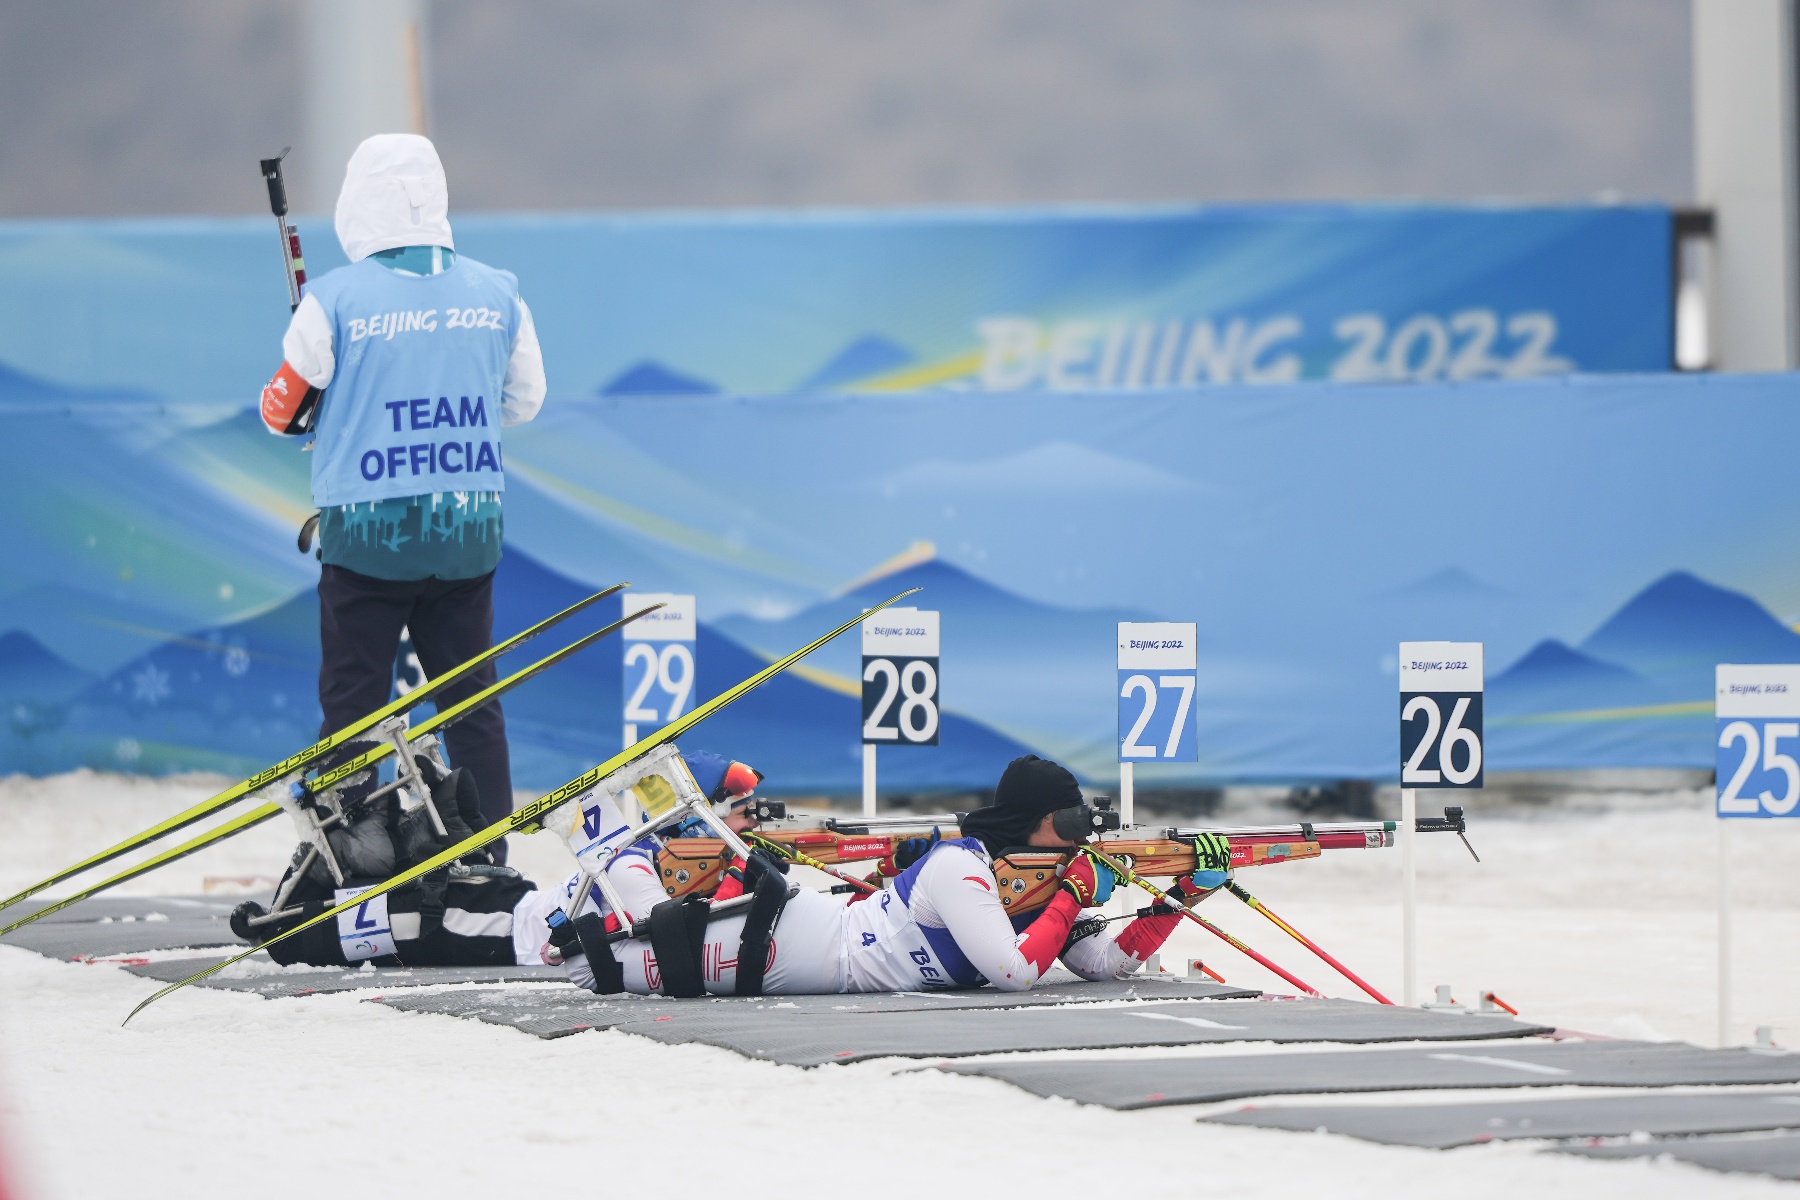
942,925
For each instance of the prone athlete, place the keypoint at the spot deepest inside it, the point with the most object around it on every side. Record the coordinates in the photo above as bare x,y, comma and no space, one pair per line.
940,924
473,912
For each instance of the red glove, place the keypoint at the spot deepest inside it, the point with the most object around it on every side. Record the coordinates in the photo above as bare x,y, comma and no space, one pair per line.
1146,935
1089,880
732,885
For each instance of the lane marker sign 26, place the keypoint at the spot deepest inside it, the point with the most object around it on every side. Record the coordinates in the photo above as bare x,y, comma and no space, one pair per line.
1441,685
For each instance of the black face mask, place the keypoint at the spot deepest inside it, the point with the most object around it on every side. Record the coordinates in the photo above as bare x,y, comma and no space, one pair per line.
1030,789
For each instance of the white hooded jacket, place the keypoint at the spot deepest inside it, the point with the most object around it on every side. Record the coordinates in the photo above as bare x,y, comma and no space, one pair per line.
394,195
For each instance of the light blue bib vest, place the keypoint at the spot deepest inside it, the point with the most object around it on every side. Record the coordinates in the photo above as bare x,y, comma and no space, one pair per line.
414,405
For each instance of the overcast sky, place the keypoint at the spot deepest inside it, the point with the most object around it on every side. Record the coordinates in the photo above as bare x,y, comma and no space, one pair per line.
116,108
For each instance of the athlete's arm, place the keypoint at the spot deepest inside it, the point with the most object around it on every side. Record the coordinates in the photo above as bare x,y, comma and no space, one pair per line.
306,370
522,393
633,872
960,891
1101,956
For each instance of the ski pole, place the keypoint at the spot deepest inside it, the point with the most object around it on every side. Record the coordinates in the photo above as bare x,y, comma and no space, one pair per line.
807,860
1282,925
1130,876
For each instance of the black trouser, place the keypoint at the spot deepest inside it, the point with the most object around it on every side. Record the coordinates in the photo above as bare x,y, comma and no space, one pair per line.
451,621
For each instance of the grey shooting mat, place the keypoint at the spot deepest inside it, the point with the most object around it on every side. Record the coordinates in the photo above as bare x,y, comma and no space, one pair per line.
556,1012
104,939
1440,1126
851,1036
106,925
1777,1155
1147,1082
322,980
100,908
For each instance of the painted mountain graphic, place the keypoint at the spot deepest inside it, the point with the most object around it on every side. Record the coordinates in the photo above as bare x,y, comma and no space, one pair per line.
30,672
1638,691
236,696
1007,657
1676,630
18,387
227,698
803,736
651,378
164,527
1450,584
864,358
95,631
1552,677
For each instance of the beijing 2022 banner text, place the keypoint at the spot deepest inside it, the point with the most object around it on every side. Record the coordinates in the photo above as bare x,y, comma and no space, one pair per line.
998,301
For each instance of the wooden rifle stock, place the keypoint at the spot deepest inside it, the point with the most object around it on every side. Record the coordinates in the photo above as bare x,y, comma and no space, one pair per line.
1027,878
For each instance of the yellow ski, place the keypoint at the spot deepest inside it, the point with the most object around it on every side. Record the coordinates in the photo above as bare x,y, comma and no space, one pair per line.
527,818
263,812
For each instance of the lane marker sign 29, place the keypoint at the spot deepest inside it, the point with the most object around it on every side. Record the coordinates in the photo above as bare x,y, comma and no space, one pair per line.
900,678
1157,673
1758,732
1440,715
659,662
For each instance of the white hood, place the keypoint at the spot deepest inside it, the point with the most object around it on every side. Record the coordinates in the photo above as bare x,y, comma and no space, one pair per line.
394,195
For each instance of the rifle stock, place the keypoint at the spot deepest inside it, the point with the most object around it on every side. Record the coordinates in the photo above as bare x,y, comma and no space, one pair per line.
1027,878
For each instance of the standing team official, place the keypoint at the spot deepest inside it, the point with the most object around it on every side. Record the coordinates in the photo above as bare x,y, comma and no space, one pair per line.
404,366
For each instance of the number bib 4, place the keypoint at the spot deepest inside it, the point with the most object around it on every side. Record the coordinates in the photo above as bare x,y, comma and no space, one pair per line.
886,951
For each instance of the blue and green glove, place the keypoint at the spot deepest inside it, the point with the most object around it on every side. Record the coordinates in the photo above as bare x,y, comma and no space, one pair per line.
1212,862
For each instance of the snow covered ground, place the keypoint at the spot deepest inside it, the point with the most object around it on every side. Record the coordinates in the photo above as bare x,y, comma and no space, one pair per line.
1599,919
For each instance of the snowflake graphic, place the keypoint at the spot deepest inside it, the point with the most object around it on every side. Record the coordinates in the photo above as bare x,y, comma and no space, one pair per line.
150,685
237,662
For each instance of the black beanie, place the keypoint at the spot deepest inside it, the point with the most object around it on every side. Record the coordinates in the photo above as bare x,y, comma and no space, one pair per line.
1029,788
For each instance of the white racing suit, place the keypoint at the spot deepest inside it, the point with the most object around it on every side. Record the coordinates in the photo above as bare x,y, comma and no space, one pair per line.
940,925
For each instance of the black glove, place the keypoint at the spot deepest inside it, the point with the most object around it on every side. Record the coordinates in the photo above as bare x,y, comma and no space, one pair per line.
758,865
912,849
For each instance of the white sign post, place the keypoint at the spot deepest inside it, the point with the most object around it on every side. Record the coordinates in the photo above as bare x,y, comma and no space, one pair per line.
659,662
1757,714
1157,672
899,686
1441,684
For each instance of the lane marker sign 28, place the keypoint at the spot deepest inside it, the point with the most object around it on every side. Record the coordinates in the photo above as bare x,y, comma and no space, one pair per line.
900,678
